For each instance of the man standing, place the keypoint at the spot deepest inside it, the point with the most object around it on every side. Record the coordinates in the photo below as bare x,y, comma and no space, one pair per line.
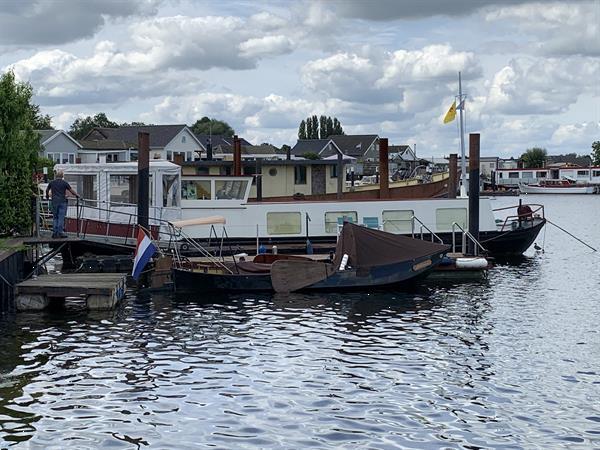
59,188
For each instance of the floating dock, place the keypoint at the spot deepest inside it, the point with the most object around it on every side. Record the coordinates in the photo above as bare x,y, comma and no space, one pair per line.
101,290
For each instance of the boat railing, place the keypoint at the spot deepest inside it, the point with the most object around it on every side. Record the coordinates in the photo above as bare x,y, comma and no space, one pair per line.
179,235
536,210
465,235
423,227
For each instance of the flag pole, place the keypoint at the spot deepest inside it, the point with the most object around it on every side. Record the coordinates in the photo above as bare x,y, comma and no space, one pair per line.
463,163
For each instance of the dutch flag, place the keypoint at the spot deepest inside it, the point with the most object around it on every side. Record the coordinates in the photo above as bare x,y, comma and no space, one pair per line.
144,251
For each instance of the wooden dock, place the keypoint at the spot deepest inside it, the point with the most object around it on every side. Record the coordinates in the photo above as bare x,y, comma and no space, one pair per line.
101,290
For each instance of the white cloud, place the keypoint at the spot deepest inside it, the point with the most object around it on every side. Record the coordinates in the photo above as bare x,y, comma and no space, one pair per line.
558,28
265,46
579,135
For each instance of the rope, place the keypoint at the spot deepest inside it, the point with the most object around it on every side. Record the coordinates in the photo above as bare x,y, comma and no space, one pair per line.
572,235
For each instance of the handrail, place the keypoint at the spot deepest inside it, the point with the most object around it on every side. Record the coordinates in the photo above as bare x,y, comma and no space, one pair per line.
538,208
413,218
463,241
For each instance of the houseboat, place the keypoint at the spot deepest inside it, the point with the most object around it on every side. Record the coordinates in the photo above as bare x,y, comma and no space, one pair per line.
109,205
564,186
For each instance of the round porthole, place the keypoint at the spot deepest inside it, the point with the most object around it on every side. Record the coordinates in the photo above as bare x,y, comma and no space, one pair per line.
272,171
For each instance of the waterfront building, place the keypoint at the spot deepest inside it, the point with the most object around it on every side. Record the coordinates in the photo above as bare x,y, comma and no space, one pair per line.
58,146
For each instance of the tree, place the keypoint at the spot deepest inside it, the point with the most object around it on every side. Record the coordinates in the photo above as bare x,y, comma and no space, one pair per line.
207,125
40,121
135,124
311,155
18,153
322,127
596,153
534,157
81,127
302,130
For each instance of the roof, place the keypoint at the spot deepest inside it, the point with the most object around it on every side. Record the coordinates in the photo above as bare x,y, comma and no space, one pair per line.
218,139
45,134
48,135
309,146
108,144
404,151
354,145
263,149
160,135
571,158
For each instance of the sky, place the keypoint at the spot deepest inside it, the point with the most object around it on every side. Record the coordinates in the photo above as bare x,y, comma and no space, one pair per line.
530,70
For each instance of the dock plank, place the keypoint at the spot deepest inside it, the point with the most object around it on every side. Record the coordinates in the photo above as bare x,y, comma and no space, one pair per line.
72,285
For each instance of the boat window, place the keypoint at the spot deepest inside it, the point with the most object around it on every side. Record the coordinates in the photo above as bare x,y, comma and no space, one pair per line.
513,174
527,175
445,217
542,174
299,174
86,186
123,189
170,190
195,190
335,218
230,189
284,223
584,173
398,221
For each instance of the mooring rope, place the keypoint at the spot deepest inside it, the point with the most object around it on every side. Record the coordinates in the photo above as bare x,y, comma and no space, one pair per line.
572,235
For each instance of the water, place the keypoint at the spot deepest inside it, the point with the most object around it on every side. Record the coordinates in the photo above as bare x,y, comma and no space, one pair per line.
511,362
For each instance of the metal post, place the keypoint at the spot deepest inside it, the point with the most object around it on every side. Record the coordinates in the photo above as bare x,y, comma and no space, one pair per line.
340,175
384,173
37,215
143,211
463,166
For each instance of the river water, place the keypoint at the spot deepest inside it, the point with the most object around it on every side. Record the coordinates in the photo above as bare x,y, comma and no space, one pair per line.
510,362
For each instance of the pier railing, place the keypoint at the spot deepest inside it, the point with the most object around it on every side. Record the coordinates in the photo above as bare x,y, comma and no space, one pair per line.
423,227
465,235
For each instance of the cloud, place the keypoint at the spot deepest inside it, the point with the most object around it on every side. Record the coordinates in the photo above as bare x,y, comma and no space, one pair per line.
559,28
385,10
541,85
415,79
579,135
41,22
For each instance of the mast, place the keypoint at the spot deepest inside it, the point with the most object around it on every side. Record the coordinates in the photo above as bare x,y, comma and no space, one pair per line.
463,163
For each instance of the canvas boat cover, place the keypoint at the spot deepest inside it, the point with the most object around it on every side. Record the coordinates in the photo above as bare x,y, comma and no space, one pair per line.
367,247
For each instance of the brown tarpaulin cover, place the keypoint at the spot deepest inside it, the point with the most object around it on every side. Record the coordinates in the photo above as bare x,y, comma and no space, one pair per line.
366,247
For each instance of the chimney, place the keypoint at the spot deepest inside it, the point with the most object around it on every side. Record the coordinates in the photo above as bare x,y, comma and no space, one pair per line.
453,175
384,176
288,153
237,156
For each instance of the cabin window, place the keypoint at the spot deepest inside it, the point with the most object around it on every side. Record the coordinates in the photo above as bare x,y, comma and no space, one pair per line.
123,189
71,158
513,174
335,218
527,175
445,217
170,190
596,173
231,189
582,173
398,221
299,174
284,223
500,175
195,190
86,186
542,174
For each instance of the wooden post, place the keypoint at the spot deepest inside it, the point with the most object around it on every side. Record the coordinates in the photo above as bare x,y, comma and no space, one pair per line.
143,211
453,175
473,190
237,156
384,176
340,175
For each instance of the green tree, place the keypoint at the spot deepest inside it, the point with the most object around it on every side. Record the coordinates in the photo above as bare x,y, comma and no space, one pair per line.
40,121
534,157
337,127
596,153
311,155
81,127
315,127
329,127
135,124
322,127
309,130
19,149
207,125
302,130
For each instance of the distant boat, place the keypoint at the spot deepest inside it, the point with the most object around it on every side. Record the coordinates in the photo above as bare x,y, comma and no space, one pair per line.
563,186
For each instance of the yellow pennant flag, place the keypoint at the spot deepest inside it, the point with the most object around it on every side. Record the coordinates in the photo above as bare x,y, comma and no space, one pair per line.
451,114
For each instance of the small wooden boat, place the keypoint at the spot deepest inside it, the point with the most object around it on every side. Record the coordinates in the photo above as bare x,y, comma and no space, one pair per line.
563,186
364,258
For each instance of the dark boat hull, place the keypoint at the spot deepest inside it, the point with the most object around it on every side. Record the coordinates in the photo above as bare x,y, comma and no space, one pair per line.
187,281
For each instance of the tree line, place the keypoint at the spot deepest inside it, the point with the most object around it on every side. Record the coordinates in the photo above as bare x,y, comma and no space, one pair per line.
319,128
536,157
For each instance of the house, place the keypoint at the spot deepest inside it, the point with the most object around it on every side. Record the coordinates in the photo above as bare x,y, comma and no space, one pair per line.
221,145
58,146
403,160
108,150
166,141
488,165
365,148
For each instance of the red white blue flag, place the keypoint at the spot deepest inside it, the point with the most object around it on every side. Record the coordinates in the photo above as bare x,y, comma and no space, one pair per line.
144,251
